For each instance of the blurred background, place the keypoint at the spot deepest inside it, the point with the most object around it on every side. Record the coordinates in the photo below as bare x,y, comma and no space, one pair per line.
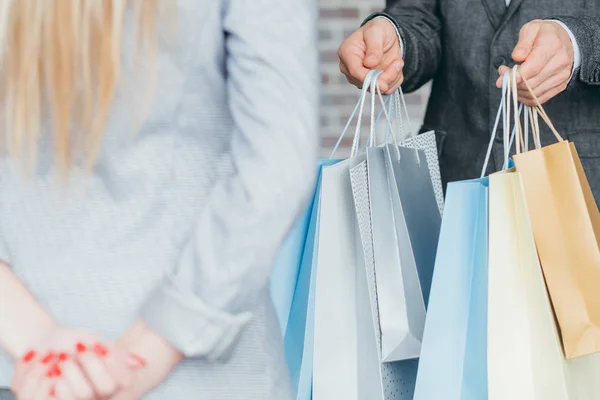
338,19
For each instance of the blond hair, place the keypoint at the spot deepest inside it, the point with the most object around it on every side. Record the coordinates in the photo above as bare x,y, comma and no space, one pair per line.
62,59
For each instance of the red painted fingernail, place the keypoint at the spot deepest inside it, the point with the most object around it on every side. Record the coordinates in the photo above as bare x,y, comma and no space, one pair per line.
54,371
80,347
30,355
52,392
100,350
63,356
139,360
48,357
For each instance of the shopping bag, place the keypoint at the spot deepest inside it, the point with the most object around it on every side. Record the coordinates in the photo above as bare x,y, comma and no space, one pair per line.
425,141
388,251
523,345
453,363
411,181
525,359
399,298
335,363
347,348
416,179
566,226
376,380
287,265
523,341
396,289
453,354
335,358
298,339
415,186
582,377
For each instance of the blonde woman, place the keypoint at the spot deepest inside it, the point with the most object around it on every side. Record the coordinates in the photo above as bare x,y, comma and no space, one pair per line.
154,153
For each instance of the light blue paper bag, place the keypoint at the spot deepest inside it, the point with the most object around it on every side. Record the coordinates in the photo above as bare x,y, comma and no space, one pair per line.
299,336
453,363
287,265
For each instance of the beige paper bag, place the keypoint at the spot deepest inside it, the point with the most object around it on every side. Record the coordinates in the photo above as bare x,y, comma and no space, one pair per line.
566,227
525,360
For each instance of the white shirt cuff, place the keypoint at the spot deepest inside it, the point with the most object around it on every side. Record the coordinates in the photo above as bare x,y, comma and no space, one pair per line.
576,51
397,32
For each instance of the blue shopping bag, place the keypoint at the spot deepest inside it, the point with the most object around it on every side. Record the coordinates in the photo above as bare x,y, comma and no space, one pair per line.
287,266
453,363
299,335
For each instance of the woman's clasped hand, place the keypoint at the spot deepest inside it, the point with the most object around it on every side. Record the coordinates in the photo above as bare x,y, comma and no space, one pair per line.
70,364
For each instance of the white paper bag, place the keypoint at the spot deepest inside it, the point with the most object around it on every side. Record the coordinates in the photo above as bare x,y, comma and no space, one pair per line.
335,362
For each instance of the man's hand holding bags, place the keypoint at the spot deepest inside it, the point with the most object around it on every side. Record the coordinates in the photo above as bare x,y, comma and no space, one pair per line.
376,45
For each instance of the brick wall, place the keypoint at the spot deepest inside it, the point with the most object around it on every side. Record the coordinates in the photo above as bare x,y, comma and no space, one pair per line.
338,19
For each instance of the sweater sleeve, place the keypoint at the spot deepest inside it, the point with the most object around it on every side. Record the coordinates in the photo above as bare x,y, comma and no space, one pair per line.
273,91
4,253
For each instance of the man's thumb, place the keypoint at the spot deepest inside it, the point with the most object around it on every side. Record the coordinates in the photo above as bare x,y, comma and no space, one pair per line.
374,40
527,37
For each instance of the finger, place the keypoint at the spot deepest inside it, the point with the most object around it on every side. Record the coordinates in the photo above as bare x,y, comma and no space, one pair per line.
135,361
558,65
501,71
353,68
22,368
94,367
549,94
349,78
527,36
395,85
351,53
555,74
77,383
524,94
354,82
389,78
558,81
28,361
374,36
120,369
535,63
45,390
64,392
526,98
31,382
546,48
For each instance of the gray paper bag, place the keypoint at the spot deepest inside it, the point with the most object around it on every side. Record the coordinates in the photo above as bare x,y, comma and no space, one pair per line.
426,142
399,298
376,380
411,181
401,258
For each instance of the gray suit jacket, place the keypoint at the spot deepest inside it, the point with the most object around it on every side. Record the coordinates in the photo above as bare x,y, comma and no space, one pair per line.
461,43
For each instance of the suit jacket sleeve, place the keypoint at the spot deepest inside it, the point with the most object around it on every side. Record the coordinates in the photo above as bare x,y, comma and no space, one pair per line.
418,22
4,252
273,92
586,31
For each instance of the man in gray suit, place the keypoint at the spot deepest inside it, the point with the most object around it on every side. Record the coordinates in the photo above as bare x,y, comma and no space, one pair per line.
463,45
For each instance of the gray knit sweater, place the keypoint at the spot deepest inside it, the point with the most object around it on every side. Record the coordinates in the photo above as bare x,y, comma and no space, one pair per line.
179,221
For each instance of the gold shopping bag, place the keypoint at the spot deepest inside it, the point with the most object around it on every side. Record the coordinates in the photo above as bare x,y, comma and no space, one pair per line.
566,226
